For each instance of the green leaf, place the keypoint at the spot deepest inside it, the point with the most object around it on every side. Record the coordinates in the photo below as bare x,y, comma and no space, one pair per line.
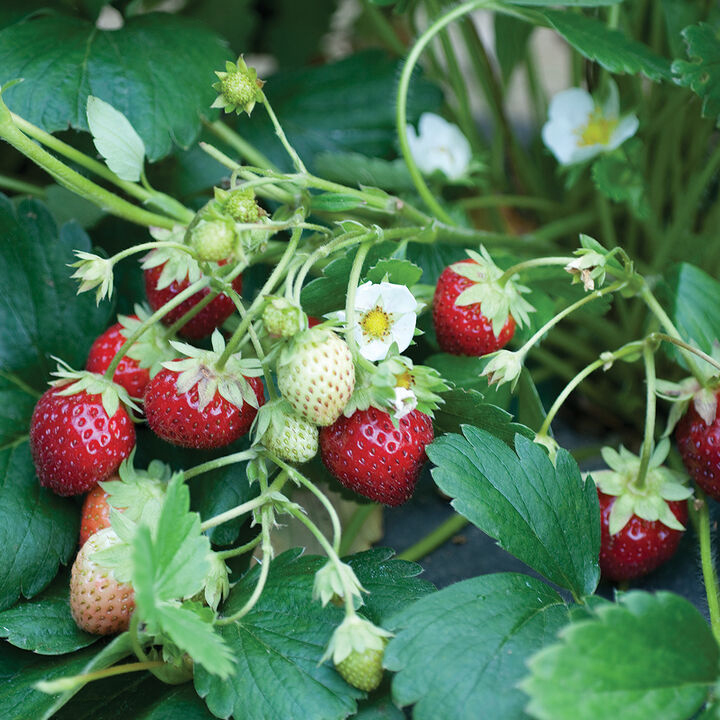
465,373
66,206
40,314
38,530
702,73
44,624
678,15
16,406
391,584
355,169
280,641
464,648
340,107
511,42
400,272
433,258
115,139
468,407
691,297
335,202
544,514
157,70
619,176
567,3
649,656
327,293
379,708
609,48
530,407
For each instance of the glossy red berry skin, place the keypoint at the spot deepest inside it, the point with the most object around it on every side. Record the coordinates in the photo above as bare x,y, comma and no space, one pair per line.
208,319
129,374
641,546
177,419
699,447
463,329
73,442
95,514
367,454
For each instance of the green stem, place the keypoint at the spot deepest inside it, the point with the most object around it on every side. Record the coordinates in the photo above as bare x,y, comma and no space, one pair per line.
218,463
70,683
535,262
73,180
437,537
20,186
383,27
401,103
672,331
267,288
649,435
686,346
521,201
245,507
708,567
246,150
157,315
241,549
297,162
355,273
150,246
101,170
357,520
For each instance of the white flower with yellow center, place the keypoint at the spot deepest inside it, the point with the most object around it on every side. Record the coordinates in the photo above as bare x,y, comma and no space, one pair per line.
579,128
439,145
384,314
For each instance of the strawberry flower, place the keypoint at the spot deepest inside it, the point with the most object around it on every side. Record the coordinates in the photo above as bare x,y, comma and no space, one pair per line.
439,145
384,314
579,128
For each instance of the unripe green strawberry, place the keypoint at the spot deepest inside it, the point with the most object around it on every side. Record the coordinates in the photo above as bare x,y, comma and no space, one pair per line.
99,603
241,206
362,670
283,319
316,375
296,442
213,240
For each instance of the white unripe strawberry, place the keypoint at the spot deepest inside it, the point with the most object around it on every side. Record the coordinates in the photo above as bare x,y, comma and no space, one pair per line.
296,441
99,603
316,375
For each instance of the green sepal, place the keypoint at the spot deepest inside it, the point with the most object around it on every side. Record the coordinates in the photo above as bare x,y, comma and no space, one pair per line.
151,349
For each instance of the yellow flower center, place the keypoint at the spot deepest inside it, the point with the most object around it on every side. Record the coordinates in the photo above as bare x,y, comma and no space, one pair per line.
404,380
375,323
598,130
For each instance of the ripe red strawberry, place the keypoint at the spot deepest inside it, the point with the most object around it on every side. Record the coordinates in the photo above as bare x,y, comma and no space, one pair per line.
464,329
177,418
129,374
367,454
641,546
207,320
99,603
699,446
95,514
74,443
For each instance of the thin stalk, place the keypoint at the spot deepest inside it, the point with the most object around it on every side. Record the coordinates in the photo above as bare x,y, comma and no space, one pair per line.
157,315
686,346
383,28
520,201
355,272
218,463
650,403
246,150
73,180
20,186
297,162
702,516
528,264
401,103
433,540
68,683
241,549
146,195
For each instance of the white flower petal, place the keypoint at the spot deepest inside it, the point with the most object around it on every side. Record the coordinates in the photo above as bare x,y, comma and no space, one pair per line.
367,295
440,145
374,350
397,298
403,331
572,106
625,129
560,139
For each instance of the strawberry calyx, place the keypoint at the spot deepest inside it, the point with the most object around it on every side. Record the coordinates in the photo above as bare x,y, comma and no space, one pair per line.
649,502
275,420
94,273
202,369
177,266
151,349
238,88
74,382
681,394
498,298
354,634
333,580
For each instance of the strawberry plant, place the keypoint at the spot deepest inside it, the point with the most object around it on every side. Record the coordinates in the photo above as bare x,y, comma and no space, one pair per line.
239,303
